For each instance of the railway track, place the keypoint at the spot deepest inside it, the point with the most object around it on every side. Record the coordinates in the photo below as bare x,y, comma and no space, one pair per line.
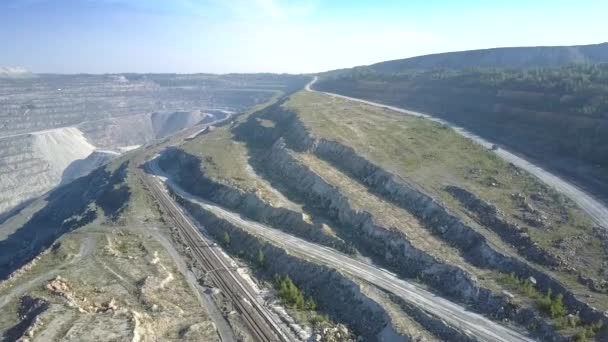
257,318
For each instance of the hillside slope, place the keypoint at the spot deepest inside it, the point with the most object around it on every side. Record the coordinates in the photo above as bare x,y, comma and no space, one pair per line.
351,221
98,259
557,117
14,72
32,164
509,57
48,122
404,194
92,262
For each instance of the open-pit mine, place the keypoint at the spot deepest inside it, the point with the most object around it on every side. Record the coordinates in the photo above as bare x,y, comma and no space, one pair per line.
254,208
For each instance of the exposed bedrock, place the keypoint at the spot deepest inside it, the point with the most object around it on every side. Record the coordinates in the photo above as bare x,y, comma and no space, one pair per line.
68,207
32,164
474,246
113,133
388,245
185,170
486,302
77,114
30,309
489,216
437,326
336,295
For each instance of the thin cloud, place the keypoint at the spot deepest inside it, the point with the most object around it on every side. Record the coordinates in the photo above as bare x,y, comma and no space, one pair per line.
270,8
277,8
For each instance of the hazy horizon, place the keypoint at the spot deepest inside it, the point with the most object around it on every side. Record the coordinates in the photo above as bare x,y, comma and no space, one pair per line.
255,36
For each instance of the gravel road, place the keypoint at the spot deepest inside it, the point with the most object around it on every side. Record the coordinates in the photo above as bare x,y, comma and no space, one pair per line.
595,208
471,323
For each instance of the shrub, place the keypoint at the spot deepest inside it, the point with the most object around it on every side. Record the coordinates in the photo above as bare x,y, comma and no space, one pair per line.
588,332
311,304
580,336
551,305
570,321
261,258
289,292
318,319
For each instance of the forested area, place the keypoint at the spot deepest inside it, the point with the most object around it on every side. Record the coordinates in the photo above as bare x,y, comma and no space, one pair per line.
576,89
558,116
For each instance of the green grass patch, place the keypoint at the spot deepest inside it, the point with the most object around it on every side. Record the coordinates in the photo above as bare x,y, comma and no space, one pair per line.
587,332
551,305
431,156
225,160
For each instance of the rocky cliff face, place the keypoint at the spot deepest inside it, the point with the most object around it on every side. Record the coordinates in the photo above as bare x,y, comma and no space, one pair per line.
437,218
185,170
489,216
30,309
49,121
336,295
389,245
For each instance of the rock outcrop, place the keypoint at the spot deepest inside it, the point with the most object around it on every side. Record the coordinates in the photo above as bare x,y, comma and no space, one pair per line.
29,310
438,219
489,216
388,245
49,121
185,170
335,294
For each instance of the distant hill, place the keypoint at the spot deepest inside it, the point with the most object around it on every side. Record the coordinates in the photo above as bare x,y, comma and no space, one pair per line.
12,72
547,103
511,57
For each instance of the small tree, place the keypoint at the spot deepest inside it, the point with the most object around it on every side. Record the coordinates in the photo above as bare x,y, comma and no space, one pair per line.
226,238
290,293
261,258
552,305
311,304
557,308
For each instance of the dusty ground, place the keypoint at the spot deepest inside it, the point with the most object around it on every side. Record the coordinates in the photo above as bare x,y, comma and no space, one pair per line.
107,283
128,279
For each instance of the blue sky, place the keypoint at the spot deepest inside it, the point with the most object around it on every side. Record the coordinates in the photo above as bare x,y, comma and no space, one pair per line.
104,36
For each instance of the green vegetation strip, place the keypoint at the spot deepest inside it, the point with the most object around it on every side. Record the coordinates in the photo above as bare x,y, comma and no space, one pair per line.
552,306
432,156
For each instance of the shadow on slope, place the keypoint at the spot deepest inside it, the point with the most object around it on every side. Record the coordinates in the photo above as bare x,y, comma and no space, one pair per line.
15,211
68,208
82,167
